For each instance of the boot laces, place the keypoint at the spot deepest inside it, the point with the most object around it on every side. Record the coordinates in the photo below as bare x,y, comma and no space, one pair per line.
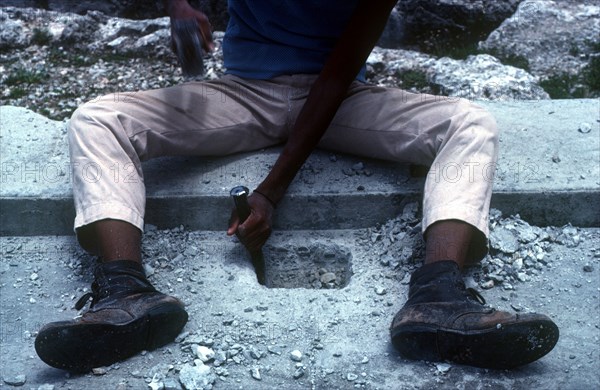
95,294
475,295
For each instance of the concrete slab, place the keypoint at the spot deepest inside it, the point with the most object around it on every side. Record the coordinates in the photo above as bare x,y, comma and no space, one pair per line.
342,333
548,172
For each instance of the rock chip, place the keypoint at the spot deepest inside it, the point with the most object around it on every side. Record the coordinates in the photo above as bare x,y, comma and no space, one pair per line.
299,373
17,380
203,353
198,377
255,372
296,355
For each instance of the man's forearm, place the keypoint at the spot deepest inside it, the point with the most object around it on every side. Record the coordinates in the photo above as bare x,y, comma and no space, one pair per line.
328,93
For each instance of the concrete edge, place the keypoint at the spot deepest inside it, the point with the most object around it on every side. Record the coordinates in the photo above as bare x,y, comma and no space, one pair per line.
54,215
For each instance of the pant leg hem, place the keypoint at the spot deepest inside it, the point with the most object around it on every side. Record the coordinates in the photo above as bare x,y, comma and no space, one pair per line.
102,211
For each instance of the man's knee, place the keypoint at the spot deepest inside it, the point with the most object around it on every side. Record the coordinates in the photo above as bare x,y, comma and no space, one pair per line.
88,118
479,124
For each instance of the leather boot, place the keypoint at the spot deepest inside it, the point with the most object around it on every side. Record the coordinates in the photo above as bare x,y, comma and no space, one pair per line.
126,316
443,320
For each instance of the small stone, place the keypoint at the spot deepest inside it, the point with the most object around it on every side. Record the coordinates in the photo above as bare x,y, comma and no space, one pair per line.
255,353
588,268
171,384
380,291
181,337
351,377
337,354
149,270
572,356
555,159
585,128
99,370
46,386
487,284
196,377
328,277
385,261
17,380
156,384
255,372
220,358
204,353
359,166
365,360
360,188
296,355
443,367
33,276
518,264
298,373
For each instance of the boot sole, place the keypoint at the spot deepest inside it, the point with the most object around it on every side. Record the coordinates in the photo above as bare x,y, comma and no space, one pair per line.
509,346
80,347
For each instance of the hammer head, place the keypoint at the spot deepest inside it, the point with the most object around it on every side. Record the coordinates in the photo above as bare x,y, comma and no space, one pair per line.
188,46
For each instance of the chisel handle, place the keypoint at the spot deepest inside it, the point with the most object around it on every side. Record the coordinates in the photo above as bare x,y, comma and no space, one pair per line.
240,199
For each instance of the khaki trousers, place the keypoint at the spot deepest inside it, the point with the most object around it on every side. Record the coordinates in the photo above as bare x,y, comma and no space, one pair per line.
114,133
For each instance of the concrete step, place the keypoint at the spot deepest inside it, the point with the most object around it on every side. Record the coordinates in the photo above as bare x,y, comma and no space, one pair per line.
548,172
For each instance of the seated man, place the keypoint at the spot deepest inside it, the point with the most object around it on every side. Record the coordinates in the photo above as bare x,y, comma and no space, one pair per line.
295,75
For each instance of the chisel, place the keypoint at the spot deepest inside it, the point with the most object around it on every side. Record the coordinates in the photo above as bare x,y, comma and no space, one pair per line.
240,199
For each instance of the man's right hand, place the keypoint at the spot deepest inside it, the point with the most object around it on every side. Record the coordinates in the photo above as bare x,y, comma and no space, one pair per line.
182,10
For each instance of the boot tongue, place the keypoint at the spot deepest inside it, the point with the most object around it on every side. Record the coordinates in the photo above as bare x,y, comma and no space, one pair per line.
114,279
433,271
120,276
437,282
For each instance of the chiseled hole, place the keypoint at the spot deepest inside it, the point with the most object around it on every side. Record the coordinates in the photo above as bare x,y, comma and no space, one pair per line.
318,266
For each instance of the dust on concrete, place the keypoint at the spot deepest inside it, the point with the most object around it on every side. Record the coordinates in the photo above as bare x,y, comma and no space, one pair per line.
243,335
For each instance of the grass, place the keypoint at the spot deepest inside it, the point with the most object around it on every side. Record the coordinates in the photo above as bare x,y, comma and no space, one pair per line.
79,58
591,74
41,36
515,60
17,92
413,79
564,86
24,76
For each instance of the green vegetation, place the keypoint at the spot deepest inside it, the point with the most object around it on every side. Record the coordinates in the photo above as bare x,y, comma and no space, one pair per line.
24,76
591,74
515,60
564,86
413,79
457,51
17,92
80,58
41,36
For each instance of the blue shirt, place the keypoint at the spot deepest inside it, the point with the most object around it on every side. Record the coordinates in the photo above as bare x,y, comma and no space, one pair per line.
269,38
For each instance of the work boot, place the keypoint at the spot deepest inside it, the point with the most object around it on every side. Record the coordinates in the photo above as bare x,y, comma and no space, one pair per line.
127,315
443,320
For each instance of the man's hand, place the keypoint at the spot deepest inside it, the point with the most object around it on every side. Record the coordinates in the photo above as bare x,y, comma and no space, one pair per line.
182,10
255,231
